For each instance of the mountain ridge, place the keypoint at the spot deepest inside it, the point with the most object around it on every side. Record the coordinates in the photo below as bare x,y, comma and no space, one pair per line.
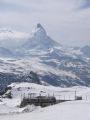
40,39
53,63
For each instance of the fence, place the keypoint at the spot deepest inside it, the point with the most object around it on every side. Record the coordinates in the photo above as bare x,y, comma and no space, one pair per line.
49,99
38,101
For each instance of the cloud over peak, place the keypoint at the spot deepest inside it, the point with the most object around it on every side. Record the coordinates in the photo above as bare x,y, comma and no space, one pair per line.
67,21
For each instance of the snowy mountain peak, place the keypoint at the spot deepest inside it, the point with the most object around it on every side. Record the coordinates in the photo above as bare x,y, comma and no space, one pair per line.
39,31
39,26
40,39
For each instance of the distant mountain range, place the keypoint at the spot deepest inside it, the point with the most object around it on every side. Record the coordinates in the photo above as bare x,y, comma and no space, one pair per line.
86,51
52,62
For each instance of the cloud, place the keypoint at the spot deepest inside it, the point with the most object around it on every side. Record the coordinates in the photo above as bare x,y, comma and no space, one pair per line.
60,18
15,6
12,39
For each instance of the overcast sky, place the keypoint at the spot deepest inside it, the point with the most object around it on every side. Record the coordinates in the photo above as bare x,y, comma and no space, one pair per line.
67,21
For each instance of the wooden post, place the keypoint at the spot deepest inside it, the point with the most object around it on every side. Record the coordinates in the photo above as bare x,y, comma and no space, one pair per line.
59,97
21,98
75,94
64,97
28,95
69,97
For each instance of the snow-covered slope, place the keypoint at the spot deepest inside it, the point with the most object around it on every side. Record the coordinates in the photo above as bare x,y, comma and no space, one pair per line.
86,51
79,110
5,52
72,110
54,64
